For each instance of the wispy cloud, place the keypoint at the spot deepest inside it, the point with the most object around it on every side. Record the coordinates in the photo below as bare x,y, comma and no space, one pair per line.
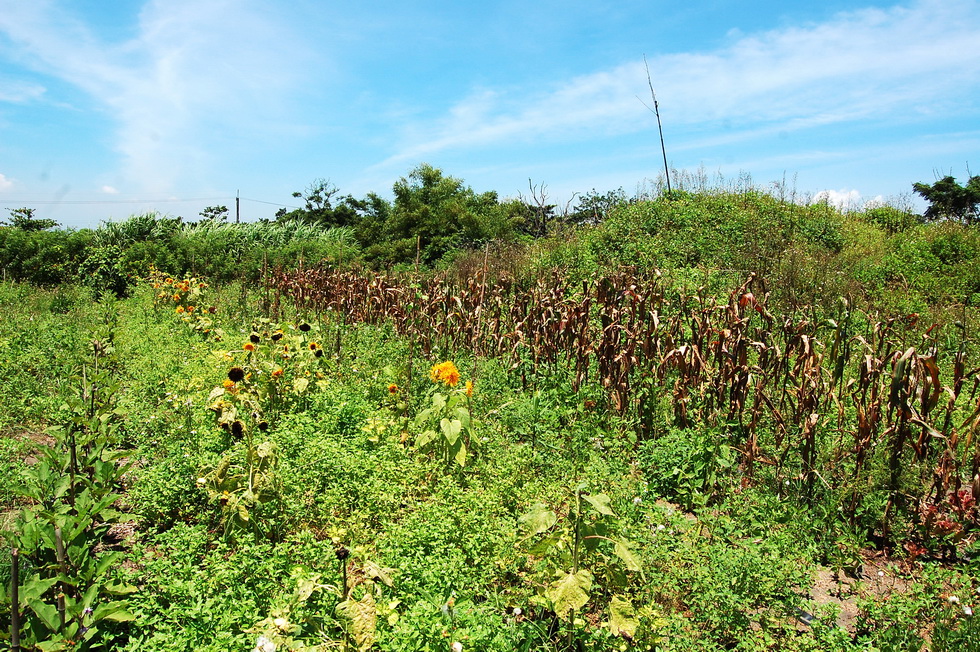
192,71
881,64
17,91
5,183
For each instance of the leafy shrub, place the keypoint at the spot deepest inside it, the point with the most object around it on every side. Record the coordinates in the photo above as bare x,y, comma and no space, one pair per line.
891,220
686,465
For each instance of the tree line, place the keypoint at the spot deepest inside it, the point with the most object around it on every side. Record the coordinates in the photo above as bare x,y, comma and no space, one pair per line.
432,219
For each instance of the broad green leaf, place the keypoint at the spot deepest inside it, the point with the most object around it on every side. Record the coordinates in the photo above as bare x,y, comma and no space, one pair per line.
375,572
361,617
106,561
300,385
546,543
570,592
538,520
630,560
461,454
114,611
120,589
47,613
216,393
305,587
451,429
425,438
464,416
600,502
52,646
88,598
34,589
622,617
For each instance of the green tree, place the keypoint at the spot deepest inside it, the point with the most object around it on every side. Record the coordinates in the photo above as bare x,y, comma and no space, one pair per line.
215,213
593,207
23,218
434,214
950,200
373,213
322,207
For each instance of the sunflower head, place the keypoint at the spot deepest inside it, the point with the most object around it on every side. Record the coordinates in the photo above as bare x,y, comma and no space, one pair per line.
236,374
445,372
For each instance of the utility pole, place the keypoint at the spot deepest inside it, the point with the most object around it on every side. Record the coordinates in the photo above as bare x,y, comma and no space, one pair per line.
238,207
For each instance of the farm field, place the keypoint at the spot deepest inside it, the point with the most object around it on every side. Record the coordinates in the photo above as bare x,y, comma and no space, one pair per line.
614,457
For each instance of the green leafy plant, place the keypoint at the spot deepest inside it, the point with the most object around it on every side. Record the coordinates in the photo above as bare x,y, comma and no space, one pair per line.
585,548
254,391
447,422
69,594
346,613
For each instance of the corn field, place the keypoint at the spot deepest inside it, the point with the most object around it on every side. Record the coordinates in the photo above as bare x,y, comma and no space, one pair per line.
857,403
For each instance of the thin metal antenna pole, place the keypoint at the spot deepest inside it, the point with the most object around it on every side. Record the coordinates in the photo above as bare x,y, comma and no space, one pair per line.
656,110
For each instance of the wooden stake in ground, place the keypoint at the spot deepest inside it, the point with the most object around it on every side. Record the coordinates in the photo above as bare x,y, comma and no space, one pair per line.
14,600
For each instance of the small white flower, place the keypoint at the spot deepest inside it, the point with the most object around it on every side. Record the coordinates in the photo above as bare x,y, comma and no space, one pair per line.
264,645
637,500
517,611
457,646
953,599
881,573
967,611
661,527
281,623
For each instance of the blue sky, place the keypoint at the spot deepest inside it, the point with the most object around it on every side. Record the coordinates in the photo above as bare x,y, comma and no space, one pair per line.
114,108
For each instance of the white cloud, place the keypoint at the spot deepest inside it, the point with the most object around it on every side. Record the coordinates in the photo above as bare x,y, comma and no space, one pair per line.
880,64
109,190
193,69
844,200
848,200
5,183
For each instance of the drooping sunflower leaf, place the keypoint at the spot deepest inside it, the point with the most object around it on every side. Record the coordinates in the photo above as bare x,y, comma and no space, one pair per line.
361,618
538,520
600,502
571,591
622,617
